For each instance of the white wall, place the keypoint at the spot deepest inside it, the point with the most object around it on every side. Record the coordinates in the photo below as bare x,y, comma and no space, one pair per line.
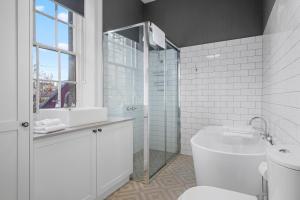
281,58
221,84
91,78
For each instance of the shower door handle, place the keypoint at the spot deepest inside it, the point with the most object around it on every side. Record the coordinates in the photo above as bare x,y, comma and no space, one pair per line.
131,108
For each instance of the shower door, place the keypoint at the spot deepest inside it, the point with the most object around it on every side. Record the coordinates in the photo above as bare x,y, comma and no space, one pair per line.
172,105
141,82
124,85
157,111
163,106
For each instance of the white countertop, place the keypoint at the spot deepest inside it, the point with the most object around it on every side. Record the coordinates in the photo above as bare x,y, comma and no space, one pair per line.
71,129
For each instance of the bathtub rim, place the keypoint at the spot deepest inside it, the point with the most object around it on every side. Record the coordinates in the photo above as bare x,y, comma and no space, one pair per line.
193,143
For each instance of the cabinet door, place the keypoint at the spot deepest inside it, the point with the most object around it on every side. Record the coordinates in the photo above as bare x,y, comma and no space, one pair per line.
65,167
115,157
15,99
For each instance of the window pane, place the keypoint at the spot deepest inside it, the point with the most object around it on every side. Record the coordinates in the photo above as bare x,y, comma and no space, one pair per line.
68,67
45,6
64,14
48,94
65,37
34,67
68,95
44,30
48,69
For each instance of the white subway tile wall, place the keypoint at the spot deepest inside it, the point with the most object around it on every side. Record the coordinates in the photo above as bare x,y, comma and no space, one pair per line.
220,84
281,80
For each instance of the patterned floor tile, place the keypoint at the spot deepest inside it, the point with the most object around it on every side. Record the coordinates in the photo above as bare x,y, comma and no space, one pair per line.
169,184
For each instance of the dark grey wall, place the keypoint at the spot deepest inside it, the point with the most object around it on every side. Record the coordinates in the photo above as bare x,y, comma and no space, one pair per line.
120,13
75,5
267,9
192,22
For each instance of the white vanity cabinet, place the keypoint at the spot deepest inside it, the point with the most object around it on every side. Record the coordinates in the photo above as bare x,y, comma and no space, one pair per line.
65,167
114,157
83,165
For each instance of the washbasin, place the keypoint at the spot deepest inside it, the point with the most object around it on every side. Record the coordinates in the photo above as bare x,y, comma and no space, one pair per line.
75,116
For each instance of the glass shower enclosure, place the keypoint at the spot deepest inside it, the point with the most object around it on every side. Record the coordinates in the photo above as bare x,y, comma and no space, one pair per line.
141,82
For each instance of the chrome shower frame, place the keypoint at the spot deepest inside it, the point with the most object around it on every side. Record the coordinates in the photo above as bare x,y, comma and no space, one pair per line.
147,177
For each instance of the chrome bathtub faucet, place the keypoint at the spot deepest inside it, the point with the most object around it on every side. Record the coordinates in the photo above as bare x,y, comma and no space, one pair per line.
265,133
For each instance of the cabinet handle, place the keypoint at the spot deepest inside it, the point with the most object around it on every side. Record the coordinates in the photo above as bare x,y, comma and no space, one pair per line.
25,124
94,131
100,129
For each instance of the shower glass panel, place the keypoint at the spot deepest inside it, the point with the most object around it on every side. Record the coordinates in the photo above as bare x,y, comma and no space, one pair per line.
141,82
172,105
124,84
157,114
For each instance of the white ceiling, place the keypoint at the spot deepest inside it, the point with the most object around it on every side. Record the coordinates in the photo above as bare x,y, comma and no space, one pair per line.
147,1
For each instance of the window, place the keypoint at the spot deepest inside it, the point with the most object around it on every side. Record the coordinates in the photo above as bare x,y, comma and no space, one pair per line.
55,57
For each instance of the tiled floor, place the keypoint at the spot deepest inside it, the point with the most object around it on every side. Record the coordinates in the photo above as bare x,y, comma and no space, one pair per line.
157,159
168,185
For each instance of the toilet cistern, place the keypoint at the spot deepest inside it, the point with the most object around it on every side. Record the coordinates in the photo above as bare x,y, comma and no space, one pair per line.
283,174
265,133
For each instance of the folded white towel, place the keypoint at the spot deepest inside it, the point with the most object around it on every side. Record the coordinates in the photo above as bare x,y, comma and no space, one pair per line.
49,129
39,128
48,122
235,134
157,36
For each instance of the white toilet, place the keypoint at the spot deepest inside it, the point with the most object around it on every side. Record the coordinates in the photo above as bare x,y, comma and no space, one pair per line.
283,179
212,193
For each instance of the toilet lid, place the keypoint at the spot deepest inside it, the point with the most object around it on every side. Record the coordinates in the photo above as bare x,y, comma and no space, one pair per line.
212,193
285,155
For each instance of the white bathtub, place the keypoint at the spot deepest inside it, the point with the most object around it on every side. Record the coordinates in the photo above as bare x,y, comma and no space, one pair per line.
228,158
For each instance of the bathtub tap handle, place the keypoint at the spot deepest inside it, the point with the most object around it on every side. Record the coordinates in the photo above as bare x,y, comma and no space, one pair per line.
269,139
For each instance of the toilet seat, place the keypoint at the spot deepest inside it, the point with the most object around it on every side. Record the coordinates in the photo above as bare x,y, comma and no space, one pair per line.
212,193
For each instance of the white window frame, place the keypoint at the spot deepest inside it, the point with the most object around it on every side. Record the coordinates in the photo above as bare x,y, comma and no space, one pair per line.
78,46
